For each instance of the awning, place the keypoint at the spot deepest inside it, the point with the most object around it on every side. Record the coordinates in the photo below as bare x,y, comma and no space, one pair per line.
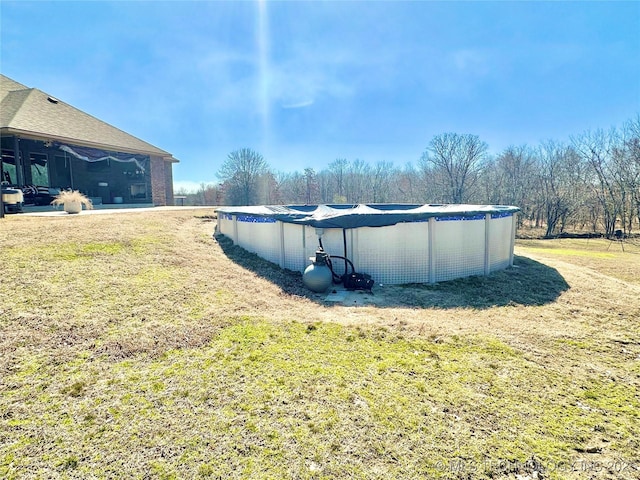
95,155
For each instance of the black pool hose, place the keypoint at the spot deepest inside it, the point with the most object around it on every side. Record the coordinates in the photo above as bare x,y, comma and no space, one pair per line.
339,278
344,250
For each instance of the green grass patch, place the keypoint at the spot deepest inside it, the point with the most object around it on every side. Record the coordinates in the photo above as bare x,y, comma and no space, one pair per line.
311,401
578,253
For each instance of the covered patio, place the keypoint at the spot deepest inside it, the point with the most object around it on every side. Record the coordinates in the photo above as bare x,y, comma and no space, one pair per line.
48,145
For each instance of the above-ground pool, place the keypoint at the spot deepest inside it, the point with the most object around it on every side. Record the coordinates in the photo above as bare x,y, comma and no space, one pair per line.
395,244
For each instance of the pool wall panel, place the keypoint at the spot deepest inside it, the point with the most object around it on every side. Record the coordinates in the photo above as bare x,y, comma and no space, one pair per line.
500,243
261,238
459,248
294,251
394,254
225,224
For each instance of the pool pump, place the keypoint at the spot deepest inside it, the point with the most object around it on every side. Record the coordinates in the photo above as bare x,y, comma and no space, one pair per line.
318,276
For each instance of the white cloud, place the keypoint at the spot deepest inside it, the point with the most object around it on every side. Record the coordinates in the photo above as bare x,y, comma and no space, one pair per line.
300,104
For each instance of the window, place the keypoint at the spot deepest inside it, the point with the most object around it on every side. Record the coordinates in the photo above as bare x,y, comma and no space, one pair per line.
138,191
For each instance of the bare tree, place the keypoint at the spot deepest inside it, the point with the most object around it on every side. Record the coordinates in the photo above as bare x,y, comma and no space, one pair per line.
269,188
628,160
291,187
406,184
311,186
454,161
596,149
382,173
338,169
325,186
561,180
355,181
241,173
510,179
208,194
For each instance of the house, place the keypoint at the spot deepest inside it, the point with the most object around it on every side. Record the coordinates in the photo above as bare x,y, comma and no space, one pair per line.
48,145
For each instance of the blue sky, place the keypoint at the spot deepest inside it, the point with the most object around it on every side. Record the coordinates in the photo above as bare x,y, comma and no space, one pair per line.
305,83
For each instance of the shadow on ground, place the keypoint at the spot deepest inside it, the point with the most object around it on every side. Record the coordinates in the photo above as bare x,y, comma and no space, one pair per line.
528,282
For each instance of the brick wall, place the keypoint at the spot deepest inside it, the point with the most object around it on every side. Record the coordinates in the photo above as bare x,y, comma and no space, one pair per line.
161,181
158,182
168,179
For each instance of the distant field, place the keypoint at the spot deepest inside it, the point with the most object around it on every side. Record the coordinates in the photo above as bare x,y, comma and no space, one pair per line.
618,259
135,345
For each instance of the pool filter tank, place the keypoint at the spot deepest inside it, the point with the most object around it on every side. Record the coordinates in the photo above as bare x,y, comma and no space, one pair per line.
317,276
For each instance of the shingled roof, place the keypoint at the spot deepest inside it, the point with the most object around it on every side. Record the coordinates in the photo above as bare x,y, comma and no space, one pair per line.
36,114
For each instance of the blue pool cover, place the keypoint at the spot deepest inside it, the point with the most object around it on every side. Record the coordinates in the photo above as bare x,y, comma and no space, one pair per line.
372,215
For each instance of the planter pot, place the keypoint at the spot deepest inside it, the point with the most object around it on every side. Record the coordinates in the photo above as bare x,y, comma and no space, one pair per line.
72,207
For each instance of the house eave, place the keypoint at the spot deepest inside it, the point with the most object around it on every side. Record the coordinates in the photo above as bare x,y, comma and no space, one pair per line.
83,143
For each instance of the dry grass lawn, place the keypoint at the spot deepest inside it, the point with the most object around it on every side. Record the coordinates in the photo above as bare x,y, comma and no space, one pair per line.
136,345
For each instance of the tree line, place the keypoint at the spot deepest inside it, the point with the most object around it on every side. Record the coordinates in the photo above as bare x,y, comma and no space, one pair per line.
590,183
